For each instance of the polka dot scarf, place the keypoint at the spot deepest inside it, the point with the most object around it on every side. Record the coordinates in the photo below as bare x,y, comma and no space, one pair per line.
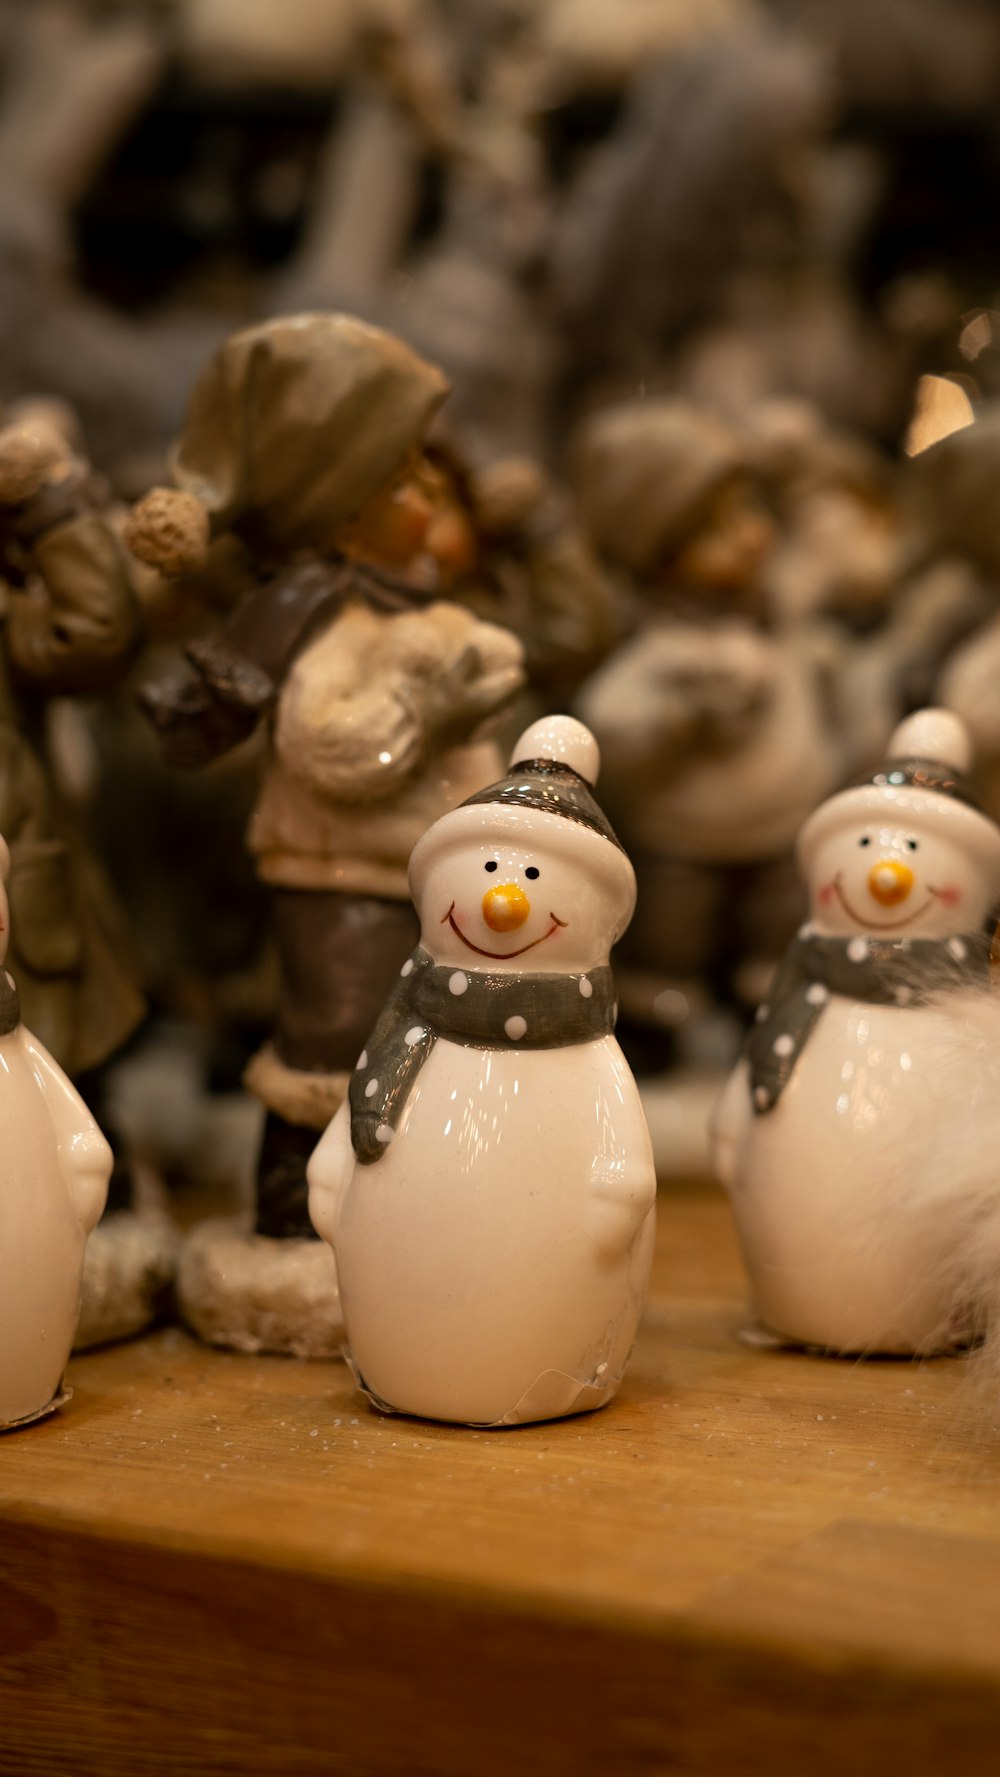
472,1007
881,971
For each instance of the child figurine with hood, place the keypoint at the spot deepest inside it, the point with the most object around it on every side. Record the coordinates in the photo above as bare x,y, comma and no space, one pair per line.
303,445
720,729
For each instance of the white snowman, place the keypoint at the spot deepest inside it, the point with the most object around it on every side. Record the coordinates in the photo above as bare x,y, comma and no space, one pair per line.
489,1189
54,1170
858,1132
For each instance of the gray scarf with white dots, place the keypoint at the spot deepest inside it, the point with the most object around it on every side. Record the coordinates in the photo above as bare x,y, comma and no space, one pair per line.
477,1009
881,971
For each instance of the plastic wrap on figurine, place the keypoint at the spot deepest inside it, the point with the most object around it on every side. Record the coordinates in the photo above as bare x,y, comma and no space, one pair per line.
489,1187
858,1136
54,1170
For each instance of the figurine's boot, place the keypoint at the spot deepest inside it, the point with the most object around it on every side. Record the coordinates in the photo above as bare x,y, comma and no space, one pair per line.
268,1283
131,1255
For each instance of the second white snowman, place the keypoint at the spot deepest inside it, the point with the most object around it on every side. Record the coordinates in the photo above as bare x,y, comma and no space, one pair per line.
859,1135
489,1189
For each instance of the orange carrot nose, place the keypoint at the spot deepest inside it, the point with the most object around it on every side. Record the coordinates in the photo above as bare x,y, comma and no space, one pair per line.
889,881
505,907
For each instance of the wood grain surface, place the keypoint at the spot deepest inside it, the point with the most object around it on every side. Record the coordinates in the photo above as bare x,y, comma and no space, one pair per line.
753,1562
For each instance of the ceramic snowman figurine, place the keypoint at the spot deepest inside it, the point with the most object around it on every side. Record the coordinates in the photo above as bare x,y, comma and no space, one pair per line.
859,1132
489,1188
54,1170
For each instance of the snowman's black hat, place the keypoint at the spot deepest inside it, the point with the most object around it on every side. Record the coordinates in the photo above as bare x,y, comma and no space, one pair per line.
552,787
555,763
924,784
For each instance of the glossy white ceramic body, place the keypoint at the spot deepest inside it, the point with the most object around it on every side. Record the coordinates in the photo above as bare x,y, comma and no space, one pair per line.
493,1264
54,1172
831,1190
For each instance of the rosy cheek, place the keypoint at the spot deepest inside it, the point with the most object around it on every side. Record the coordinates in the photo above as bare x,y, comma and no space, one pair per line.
826,894
950,896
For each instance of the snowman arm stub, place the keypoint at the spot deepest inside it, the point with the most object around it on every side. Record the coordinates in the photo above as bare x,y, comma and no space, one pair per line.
85,1156
623,1194
729,1124
391,1060
328,1172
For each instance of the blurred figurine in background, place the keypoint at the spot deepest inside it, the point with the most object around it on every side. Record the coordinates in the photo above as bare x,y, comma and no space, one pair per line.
54,1170
719,727
304,445
952,497
70,627
859,1134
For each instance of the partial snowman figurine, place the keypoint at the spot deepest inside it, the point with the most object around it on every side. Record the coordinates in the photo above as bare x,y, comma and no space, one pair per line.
489,1188
55,1166
858,1135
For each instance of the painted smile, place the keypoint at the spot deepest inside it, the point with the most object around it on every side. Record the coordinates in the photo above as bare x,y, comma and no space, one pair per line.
880,925
500,955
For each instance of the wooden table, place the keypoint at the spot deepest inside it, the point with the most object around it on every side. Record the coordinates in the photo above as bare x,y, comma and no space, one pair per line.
754,1562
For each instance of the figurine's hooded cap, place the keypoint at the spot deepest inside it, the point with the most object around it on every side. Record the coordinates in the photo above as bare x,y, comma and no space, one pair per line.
645,475
923,785
296,422
550,778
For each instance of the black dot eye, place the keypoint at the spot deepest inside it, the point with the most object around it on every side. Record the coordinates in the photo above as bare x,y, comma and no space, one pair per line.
865,840
911,845
532,872
491,865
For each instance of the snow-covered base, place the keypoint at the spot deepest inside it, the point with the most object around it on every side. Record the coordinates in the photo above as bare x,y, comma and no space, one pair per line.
678,1106
127,1273
251,1294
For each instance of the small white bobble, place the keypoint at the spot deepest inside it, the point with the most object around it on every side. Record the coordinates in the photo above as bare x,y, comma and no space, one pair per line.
407,968
516,1027
384,1133
362,1060
586,987
458,982
958,949
857,949
371,1089
762,1098
783,1045
762,1013
817,994
808,930
414,1034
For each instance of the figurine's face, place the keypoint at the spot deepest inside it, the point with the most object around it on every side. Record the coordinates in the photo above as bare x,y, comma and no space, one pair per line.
897,880
515,909
731,546
417,513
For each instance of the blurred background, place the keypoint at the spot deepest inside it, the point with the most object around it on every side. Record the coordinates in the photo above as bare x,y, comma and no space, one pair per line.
714,282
